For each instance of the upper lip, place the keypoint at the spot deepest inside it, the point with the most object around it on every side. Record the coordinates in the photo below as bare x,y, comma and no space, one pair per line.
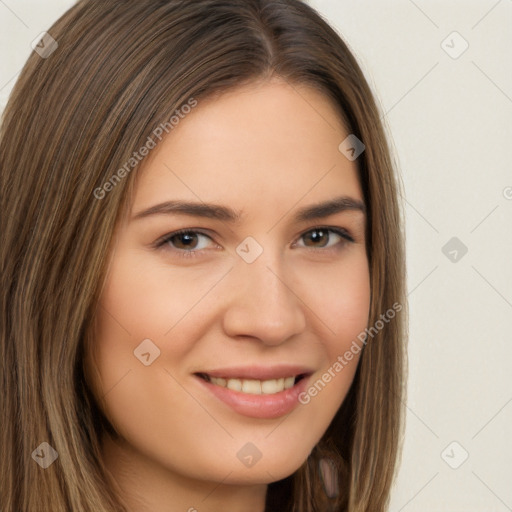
258,372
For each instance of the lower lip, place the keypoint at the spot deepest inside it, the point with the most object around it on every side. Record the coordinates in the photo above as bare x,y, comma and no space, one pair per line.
259,406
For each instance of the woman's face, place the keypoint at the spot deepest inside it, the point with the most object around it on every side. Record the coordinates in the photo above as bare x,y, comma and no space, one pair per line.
266,289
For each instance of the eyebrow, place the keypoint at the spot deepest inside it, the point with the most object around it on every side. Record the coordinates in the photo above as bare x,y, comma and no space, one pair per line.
227,214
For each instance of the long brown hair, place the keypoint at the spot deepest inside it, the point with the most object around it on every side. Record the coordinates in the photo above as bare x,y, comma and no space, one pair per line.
75,116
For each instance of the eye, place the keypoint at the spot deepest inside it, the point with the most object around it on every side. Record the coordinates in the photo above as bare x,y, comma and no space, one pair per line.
189,242
185,240
323,237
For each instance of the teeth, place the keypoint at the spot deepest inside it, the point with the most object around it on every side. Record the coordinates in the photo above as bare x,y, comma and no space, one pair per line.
234,384
255,387
252,387
289,382
221,382
272,386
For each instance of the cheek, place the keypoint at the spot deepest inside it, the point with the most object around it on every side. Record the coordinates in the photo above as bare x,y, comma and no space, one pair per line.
339,298
139,300
143,301
148,299
347,302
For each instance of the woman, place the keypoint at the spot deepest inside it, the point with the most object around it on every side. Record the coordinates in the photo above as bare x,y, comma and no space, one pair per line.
202,266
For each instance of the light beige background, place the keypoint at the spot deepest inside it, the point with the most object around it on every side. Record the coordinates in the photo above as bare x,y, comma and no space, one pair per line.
451,123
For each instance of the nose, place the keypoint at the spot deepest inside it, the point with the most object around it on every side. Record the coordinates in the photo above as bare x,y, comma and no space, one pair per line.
262,303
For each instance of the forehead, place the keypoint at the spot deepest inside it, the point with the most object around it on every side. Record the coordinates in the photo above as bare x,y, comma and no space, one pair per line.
255,146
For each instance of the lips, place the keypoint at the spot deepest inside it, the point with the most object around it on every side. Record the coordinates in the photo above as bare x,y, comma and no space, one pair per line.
258,392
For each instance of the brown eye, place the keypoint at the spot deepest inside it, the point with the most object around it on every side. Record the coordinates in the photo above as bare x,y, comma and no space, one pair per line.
186,241
316,238
321,237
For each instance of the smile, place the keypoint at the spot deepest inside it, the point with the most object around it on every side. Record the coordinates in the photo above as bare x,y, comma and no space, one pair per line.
256,392
254,386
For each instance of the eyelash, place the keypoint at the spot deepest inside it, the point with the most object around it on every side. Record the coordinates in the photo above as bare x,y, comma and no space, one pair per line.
164,241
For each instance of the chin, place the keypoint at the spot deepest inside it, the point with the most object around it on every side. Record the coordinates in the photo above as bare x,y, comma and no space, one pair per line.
264,471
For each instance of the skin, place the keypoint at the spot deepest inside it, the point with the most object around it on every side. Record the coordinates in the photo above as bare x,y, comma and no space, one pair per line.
266,150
